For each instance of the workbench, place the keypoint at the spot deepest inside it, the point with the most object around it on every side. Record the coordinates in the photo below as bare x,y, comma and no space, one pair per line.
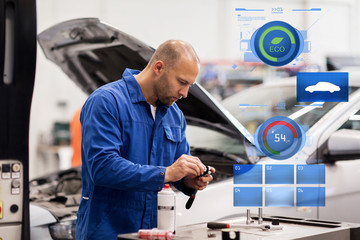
293,228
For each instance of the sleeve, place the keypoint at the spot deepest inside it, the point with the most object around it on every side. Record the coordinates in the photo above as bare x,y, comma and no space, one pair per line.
101,148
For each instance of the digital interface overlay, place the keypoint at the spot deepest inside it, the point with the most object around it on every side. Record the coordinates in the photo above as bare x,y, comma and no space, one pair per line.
264,37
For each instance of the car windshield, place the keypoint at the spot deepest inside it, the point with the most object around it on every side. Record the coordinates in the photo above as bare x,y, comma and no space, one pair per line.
255,105
201,137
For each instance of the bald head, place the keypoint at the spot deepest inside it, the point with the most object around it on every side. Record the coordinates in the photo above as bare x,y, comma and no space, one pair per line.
171,71
171,51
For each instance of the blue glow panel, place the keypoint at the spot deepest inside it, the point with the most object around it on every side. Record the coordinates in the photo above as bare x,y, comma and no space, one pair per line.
322,87
307,47
279,197
310,196
303,34
247,174
310,174
250,57
279,174
247,196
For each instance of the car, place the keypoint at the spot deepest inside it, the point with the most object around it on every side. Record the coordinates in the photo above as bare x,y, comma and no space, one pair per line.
92,53
323,87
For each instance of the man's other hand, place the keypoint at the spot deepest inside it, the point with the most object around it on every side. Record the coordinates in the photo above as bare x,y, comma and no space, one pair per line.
199,183
185,165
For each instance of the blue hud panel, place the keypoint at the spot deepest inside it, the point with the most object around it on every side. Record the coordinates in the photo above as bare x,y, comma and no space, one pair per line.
279,196
250,57
247,196
310,196
322,87
247,174
279,174
310,174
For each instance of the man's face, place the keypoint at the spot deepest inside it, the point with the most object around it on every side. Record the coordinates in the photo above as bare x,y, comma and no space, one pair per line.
175,81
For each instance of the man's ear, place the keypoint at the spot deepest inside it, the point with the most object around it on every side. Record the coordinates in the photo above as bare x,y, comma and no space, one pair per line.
158,67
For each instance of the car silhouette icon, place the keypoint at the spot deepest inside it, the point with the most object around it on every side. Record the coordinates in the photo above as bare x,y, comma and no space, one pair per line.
322,87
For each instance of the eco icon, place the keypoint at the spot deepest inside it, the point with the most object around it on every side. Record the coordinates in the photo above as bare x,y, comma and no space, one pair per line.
277,43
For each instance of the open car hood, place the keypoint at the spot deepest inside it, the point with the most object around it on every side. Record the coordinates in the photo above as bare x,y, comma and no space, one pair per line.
92,54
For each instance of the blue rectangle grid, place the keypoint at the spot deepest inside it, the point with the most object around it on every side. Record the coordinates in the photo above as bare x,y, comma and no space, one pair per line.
247,174
279,174
310,174
322,87
247,196
279,197
310,196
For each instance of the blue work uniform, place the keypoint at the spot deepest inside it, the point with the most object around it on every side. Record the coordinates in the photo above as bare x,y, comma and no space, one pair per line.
124,158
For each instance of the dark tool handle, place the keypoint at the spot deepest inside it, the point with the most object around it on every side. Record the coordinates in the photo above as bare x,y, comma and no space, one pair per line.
190,201
216,225
207,171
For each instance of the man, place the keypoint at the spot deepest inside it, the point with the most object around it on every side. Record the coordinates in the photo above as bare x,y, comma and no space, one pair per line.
133,141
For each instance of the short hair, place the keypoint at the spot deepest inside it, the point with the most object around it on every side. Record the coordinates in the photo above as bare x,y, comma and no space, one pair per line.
171,51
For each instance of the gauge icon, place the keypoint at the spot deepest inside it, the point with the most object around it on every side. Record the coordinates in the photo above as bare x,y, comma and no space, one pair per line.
280,138
277,43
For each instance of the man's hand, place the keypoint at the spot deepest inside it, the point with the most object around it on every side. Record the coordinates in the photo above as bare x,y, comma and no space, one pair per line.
199,183
185,165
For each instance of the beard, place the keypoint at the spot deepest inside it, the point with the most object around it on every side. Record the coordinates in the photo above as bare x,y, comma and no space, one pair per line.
161,89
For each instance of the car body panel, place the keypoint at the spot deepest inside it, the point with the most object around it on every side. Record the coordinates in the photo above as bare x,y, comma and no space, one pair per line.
40,218
91,52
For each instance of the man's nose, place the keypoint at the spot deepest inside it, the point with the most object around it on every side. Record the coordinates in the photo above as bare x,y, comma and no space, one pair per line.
184,91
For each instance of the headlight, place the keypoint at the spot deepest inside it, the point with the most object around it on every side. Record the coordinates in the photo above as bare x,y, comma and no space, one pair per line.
64,230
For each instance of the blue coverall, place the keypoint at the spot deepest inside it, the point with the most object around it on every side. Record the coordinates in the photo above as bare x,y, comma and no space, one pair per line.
124,157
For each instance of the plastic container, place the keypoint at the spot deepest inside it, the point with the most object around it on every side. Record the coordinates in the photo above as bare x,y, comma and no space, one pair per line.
166,209
155,234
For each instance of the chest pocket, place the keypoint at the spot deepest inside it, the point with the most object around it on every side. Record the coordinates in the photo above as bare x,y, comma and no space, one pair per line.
172,139
173,133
